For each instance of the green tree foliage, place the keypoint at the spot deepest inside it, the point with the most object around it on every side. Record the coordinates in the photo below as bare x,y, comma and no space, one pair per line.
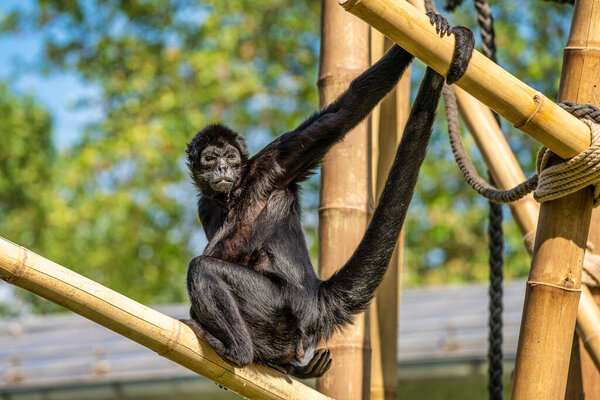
26,164
26,160
124,211
120,208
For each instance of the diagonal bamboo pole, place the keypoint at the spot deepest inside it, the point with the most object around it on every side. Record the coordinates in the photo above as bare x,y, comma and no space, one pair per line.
345,196
524,107
158,332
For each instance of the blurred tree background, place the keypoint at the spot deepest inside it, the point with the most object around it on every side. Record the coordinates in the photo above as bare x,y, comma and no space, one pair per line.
115,203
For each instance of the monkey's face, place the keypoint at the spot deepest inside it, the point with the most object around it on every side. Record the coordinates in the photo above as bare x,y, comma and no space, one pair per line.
220,167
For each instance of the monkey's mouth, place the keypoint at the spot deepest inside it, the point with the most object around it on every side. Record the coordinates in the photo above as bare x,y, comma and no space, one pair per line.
222,184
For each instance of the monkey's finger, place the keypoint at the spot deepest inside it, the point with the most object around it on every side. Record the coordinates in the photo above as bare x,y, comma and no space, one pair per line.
311,364
322,361
323,368
326,368
431,16
443,25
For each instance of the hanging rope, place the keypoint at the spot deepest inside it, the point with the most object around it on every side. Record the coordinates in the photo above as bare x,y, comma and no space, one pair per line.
496,237
495,339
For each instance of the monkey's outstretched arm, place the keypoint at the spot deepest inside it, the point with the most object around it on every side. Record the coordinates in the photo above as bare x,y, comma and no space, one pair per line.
301,150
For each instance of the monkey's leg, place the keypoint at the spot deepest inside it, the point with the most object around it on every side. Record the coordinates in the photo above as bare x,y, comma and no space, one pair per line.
222,294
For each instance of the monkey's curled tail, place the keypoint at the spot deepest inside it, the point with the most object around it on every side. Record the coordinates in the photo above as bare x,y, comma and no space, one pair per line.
351,289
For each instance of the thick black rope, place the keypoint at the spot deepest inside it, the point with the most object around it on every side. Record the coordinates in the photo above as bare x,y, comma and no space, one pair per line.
495,338
496,237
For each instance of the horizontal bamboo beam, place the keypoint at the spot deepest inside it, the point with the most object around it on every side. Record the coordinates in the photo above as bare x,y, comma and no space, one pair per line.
158,332
524,107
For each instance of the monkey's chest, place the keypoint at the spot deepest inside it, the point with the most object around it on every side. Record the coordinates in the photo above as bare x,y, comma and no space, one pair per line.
234,241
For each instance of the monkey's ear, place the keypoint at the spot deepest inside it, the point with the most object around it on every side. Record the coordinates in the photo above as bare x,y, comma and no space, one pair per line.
187,150
241,143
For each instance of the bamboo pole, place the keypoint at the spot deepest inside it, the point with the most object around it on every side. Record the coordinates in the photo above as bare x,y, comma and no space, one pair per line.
552,296
554,286
158,332
507,173
581,62
345,193
588,332
524,107
388,122
588,327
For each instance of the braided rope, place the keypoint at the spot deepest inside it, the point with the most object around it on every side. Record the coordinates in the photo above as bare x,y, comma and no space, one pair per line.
495,307
486,25
496,236
466,165
570,175
551,182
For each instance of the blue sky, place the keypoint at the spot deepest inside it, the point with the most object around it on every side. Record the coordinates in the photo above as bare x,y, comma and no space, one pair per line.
56,92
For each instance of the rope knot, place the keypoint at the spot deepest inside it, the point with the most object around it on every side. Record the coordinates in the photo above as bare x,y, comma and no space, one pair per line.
571,175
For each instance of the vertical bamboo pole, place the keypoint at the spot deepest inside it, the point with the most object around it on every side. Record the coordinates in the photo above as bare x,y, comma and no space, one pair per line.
345,194
581,63
387,125
553,289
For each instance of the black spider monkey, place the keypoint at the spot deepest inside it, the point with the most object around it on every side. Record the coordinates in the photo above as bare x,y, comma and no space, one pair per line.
255,296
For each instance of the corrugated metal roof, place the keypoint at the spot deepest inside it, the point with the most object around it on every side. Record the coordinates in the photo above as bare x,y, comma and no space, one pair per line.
436,324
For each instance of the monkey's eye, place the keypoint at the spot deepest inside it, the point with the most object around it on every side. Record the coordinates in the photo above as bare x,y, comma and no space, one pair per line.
231,156
209,158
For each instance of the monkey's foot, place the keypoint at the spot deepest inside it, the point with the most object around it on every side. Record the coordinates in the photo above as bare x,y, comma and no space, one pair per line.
315,368
463,45
442,26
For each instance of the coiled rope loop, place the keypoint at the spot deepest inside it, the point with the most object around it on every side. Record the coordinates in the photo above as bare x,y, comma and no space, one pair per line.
570,175
551,182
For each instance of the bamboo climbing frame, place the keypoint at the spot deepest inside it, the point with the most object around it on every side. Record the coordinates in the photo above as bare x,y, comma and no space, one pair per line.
507,174
553,289
158,332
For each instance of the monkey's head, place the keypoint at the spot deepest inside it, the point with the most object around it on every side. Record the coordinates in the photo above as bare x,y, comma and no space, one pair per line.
217,159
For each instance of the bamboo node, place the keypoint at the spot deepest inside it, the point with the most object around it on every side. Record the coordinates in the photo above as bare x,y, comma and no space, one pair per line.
20,266
566,289
538,99
173,340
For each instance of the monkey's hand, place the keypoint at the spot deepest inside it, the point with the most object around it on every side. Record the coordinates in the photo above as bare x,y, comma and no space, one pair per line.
463,47
315,368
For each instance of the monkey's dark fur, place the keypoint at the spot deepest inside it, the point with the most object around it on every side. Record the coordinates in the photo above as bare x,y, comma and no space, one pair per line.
255,296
